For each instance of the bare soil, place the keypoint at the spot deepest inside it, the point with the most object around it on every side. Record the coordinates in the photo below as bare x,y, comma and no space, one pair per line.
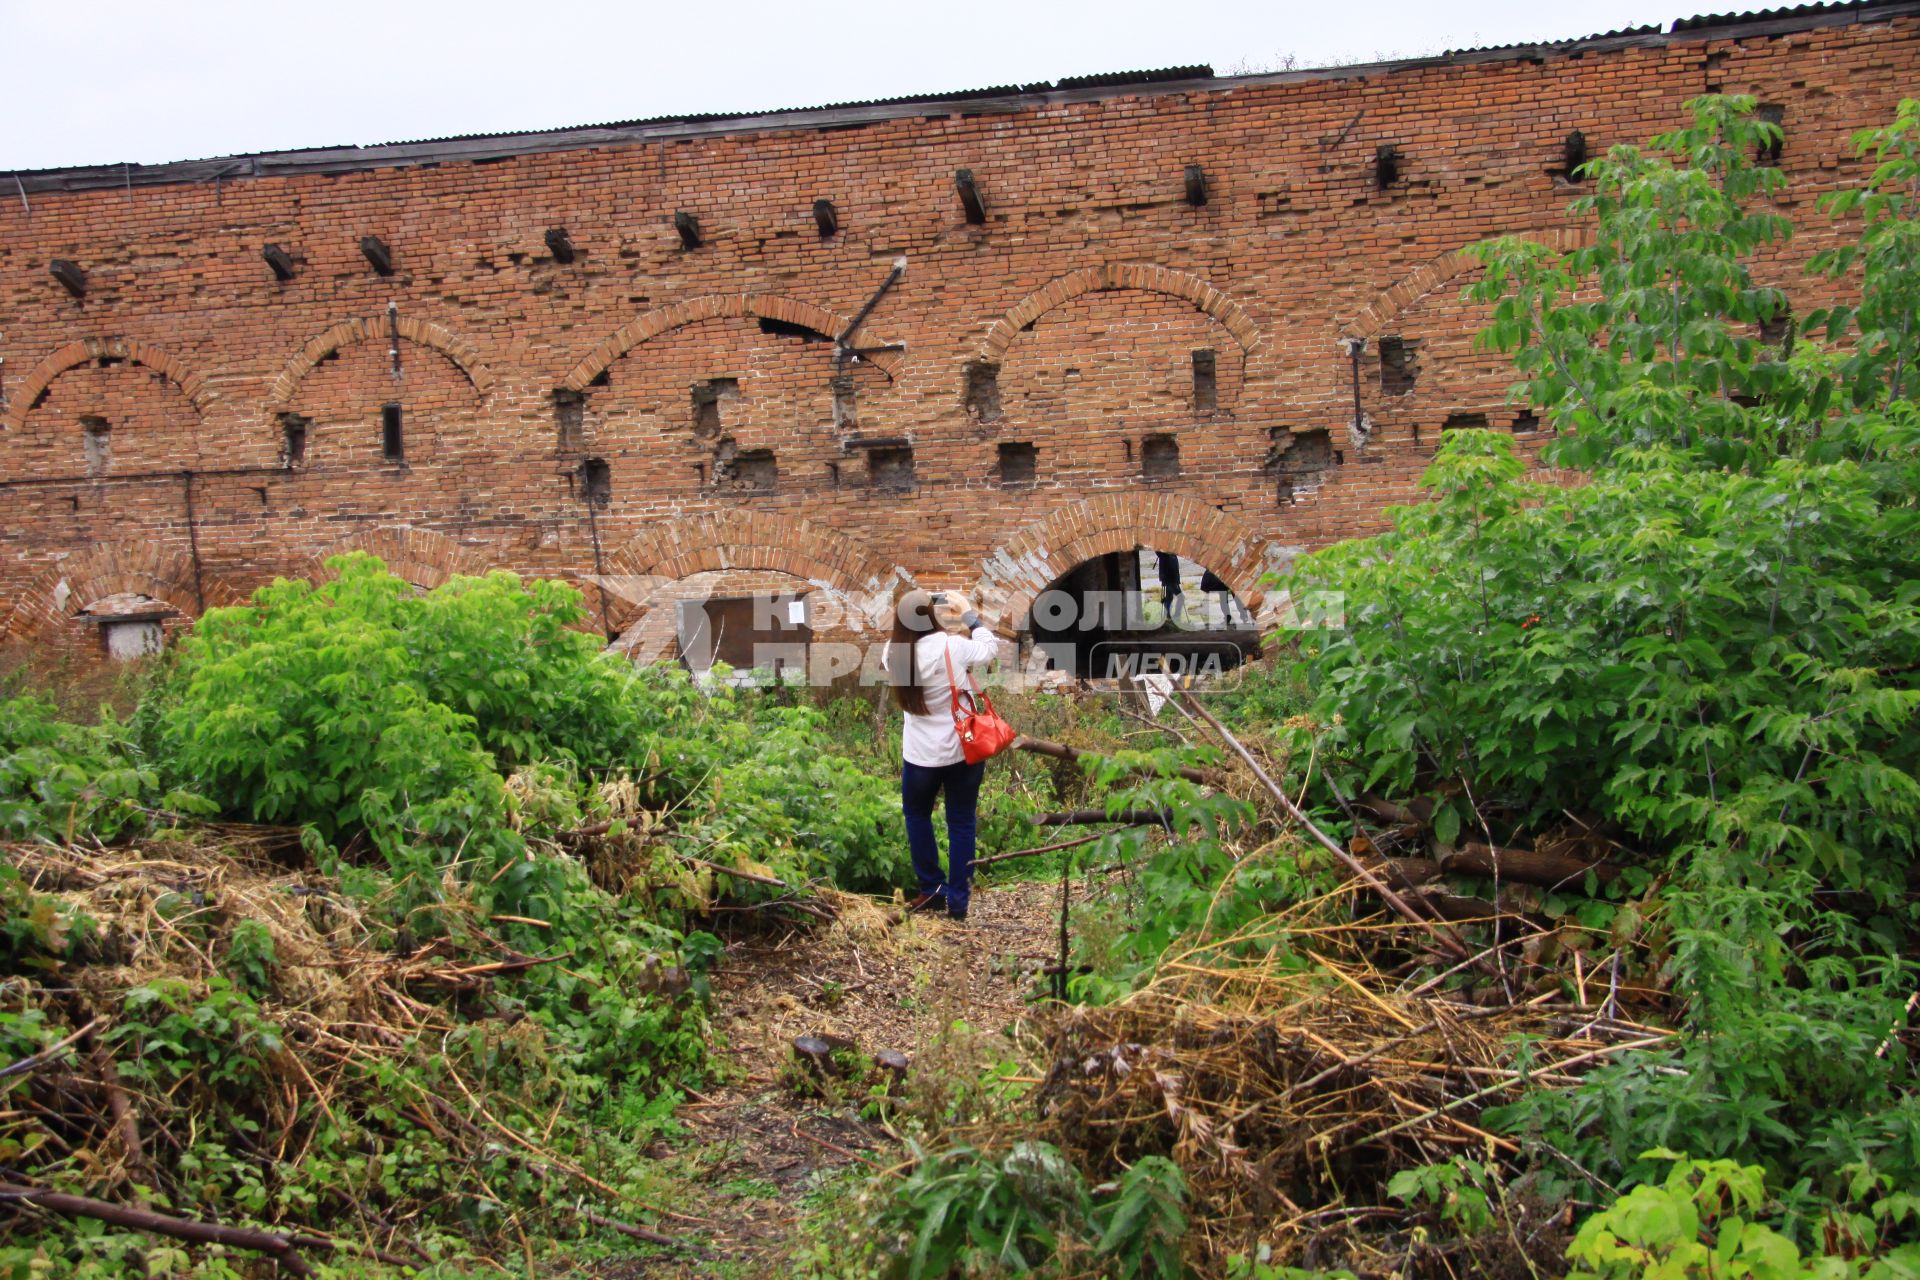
763,1142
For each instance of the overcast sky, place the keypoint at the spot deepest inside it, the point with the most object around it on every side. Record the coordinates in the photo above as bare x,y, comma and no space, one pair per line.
156,80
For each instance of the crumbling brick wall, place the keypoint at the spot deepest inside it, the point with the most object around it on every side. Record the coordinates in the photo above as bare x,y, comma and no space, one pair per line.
1094,309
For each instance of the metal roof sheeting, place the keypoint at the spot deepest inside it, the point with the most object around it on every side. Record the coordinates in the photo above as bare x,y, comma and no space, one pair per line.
997,99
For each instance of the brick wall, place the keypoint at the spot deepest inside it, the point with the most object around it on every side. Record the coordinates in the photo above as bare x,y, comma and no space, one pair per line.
1079,304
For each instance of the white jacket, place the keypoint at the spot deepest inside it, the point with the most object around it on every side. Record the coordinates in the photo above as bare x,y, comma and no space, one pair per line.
931,740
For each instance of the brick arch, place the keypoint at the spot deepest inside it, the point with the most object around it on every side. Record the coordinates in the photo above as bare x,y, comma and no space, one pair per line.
81,350
1024,565
1119,275
731,539
712,306
422,557
1393,302
144,568
424,333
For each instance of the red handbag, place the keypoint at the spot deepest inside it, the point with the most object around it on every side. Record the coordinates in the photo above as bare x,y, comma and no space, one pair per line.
983,734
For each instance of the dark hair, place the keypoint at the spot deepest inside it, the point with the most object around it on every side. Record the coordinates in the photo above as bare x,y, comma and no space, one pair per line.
912,618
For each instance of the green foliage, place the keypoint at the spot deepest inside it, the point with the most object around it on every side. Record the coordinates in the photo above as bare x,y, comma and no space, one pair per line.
777,800
963,1210
1456,1191
1712,640
66,781
1790,1059
1879,368
1191,882
1633,342
1709,1218
1707,644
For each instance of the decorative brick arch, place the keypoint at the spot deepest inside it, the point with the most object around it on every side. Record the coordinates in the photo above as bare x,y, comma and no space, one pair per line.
1119,275
79,351
712,306
1027,563
150,569
732,539
370,329
419,556
1436,272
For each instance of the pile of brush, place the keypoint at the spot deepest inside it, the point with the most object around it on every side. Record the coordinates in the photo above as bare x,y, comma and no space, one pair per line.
1290,1086
335,1019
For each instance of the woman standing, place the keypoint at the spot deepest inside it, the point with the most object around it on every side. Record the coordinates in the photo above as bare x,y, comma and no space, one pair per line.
924,657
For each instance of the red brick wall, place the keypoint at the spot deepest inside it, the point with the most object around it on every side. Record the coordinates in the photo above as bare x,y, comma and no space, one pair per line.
1090,285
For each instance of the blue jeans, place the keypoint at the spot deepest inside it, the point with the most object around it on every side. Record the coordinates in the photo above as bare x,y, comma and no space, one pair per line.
919,785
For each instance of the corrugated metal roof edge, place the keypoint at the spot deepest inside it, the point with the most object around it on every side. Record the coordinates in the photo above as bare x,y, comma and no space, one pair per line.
497,146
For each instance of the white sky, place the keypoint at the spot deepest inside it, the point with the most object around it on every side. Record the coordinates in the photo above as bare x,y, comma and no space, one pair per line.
154,80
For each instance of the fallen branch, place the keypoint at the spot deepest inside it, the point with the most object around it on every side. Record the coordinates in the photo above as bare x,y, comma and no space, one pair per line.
1034,853
1091,817
1061,751
735,872
126,1123
642,1233
1446,937
281,1248
1528,866
47,1054
1516,1080
1396,815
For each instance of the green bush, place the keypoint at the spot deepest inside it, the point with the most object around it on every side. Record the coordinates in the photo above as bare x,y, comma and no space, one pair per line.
1712,641
964,1211
1709,1218
64,781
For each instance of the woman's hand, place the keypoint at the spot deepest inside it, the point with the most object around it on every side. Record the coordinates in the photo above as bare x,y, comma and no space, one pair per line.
953,606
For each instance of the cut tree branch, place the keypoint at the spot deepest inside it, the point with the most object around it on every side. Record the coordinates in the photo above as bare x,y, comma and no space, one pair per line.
1449,940
1092,817
1061,751
282,1249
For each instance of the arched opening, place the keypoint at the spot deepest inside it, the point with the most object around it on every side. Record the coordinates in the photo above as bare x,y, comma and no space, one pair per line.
763,625
1139,612
131,624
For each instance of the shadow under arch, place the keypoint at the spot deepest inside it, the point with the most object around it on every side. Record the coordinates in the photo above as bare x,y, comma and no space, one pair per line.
464,356
63,590
1112,276
76,353
648,570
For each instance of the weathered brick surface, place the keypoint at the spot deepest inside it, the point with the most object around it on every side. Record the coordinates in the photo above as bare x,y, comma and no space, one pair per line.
1086,294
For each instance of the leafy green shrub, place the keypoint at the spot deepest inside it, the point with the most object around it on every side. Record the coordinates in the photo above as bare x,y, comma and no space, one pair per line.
1790,1062
63,781
1712,641
777,799
1708,1218
963,1210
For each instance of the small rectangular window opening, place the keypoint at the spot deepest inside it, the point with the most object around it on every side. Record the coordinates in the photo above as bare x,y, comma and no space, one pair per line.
97,438
1768,152
570,416
1399,366
983,391
1019,463
293,439
392,443
1205,383
596,481
890,469
1159,458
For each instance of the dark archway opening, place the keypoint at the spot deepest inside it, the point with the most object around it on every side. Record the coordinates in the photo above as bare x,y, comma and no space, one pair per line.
1141,612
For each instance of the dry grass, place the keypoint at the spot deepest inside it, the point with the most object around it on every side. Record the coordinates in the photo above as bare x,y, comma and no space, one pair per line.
1290,1079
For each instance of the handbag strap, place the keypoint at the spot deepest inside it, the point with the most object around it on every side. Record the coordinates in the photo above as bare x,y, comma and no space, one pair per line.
953,685
975,693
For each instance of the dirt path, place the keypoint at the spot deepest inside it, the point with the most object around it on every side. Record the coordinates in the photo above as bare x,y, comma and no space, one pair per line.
758,1148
